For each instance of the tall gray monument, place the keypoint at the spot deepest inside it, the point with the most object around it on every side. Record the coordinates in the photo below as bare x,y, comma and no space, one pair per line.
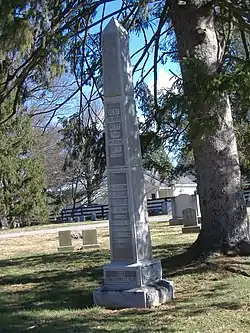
133,278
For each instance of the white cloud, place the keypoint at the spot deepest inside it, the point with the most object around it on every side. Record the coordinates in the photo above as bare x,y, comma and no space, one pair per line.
165,80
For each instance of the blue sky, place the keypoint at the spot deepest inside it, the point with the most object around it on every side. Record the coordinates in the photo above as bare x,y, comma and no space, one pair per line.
136,42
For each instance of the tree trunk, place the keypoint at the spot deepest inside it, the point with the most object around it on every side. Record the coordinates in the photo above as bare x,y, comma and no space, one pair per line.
74,197
225,225
89,196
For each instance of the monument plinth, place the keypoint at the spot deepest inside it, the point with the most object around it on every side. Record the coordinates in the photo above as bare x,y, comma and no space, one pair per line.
133,278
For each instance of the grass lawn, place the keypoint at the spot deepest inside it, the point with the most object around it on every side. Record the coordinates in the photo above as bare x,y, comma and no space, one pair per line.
46,292
49,226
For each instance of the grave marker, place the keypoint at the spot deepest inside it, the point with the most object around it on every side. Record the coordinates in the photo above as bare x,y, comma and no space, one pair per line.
190,221
89,238
133,278
181,202
65,241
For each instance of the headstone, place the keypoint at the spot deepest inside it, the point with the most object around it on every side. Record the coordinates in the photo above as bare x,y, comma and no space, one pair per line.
189,217
65,242
70,219
93,217
133,278
82,218
89,238
180,203
190,221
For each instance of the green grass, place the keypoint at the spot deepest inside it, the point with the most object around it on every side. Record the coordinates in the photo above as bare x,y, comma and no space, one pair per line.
50,226
44,291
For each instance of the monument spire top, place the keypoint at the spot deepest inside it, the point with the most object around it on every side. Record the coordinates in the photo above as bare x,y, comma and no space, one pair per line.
114,26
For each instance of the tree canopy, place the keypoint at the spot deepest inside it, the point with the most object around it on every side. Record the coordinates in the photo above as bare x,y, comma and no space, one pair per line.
209,39
84,146
21,172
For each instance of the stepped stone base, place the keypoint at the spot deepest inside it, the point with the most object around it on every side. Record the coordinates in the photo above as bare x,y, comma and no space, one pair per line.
65,248
191,229
122,276
91,246
175,221
148,296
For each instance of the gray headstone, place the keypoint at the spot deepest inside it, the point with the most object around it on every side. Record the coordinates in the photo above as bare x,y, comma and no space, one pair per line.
93,217
89,238
131,265
189,217
182,202
65,242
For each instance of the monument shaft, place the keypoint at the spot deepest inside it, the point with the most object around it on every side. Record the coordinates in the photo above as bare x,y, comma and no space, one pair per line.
129,228
132,268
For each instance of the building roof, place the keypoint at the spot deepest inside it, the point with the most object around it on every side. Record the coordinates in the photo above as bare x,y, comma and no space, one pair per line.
184,180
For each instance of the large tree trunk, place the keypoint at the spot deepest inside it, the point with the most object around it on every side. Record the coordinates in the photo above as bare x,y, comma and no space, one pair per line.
225,225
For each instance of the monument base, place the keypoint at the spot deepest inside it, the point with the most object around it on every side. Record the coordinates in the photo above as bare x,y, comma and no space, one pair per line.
191,229
89,246
65,248
175,221
148,296
122,276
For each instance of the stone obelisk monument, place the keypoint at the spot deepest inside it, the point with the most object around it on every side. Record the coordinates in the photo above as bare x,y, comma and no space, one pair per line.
133,278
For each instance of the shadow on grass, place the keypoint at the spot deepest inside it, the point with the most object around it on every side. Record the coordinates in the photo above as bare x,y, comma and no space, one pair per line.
54,283
95,321
57,295
56,257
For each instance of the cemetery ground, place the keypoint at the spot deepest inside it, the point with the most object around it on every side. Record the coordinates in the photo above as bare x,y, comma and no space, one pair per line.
44,291
48,226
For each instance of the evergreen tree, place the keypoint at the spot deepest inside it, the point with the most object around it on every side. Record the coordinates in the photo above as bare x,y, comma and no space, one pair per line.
84,145
21,172
35,39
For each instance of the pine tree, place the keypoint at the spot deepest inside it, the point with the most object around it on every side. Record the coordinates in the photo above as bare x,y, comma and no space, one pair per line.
84,145
21,172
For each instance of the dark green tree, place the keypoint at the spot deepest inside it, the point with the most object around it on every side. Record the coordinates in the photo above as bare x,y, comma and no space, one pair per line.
154,157
84,146
21,172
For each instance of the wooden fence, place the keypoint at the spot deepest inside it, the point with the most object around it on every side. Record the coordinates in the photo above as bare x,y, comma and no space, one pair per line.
101,211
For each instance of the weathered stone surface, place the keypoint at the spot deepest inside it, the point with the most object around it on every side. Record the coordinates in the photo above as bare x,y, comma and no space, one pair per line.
175,222
189,217
129,227
182,202
89,238
118,276
190,230
147,296
65,242
129,279
65,248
